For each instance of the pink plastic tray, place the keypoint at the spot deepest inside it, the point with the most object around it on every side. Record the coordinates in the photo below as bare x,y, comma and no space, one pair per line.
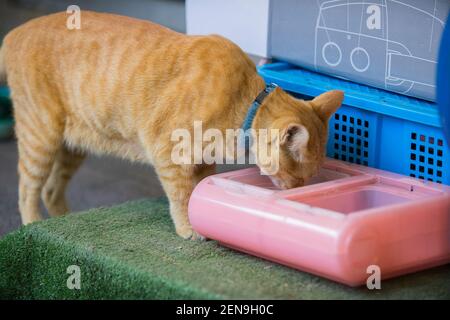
346,219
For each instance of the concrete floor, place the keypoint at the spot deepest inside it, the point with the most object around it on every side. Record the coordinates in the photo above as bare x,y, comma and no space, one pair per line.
99,182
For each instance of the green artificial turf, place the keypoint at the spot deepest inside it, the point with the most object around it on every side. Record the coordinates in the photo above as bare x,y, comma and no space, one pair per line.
131,251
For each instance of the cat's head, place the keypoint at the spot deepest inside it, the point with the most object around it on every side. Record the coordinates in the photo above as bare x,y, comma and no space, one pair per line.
303,132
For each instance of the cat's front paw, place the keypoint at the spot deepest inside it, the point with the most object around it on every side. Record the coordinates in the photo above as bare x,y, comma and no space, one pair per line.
186,232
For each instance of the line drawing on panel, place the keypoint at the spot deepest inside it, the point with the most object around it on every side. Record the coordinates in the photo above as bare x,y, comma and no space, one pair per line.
351,44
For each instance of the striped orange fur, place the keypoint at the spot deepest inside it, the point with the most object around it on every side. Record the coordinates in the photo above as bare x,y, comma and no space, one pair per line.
120,86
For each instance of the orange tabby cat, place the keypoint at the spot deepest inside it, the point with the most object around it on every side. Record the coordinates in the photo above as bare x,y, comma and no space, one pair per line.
120,86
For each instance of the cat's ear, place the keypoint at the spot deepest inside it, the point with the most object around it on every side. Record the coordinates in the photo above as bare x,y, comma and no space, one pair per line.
327,103
295,137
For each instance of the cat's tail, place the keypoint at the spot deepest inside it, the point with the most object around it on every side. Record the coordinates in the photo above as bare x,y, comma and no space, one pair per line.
2,65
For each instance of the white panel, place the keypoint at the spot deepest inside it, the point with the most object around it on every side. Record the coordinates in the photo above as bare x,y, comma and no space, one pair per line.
245,22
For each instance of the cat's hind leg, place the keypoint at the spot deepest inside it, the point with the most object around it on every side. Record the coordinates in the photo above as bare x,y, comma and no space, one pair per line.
64,167
38,142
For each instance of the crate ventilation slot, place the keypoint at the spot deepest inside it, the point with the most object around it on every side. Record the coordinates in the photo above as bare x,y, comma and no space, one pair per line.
426,157
351,139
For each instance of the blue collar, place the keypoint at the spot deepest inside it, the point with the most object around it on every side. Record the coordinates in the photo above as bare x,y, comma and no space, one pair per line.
247,124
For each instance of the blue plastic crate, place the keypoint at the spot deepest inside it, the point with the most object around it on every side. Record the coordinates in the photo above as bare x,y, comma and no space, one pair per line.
375,127
6,120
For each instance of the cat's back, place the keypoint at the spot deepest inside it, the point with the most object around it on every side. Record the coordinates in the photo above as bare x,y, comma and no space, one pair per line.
61,25
48,41
56,31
